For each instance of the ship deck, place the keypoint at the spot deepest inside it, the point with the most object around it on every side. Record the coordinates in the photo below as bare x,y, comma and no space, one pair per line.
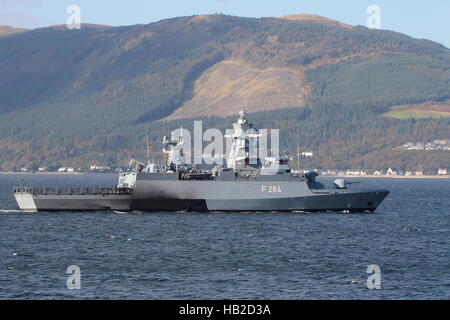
72,191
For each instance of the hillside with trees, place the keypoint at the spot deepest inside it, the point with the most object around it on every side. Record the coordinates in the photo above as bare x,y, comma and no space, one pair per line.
91,96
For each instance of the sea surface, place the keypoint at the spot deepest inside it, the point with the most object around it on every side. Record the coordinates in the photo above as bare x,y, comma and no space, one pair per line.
228,256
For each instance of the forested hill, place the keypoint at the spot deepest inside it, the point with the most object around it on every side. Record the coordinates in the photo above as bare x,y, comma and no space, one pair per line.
90,96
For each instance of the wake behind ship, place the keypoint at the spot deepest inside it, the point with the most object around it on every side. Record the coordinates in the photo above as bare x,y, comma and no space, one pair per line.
267,184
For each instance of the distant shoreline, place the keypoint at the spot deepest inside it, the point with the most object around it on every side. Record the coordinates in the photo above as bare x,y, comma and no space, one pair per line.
44,172
386,176
331,176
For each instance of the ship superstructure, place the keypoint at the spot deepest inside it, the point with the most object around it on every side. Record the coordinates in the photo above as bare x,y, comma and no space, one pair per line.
247,183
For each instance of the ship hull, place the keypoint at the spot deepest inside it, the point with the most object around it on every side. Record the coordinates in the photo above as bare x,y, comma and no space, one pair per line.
211,196
49,203
249,196
354,202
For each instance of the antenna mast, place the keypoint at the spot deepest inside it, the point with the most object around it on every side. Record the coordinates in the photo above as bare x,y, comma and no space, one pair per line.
298,154
148,151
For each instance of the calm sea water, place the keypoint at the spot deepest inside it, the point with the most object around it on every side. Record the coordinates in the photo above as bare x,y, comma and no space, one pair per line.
228,256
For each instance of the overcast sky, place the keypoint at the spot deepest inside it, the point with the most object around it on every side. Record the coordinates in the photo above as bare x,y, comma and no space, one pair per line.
421,19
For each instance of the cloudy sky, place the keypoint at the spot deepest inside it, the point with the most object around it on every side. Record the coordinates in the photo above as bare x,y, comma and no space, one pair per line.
421,19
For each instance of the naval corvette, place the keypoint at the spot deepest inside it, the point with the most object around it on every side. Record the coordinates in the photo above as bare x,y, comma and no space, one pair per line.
267,184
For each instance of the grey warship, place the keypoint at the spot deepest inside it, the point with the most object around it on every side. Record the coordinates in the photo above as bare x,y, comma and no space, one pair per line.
267,184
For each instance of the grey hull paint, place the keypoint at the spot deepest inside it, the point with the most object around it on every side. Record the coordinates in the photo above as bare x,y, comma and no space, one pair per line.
351,202
75,202
201,196
250,196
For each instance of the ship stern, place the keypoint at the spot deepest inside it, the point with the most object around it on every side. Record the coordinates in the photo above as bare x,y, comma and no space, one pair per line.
24,199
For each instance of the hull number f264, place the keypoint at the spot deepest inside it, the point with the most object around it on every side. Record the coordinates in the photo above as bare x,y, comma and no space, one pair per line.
270,189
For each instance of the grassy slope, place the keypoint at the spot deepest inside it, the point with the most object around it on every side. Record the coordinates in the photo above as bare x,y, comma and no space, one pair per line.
416,114
420,111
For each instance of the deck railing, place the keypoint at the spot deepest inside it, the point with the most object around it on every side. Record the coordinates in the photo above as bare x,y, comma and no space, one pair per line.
72,191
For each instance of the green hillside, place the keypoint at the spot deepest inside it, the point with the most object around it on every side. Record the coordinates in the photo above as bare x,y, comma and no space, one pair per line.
87,96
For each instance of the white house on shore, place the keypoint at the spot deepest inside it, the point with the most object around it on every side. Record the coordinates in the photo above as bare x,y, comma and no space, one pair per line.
99,168
442,172
66,169
392,172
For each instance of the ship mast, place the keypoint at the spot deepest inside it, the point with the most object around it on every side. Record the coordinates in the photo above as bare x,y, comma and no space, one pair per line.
148,151
239,155
298,154
173,148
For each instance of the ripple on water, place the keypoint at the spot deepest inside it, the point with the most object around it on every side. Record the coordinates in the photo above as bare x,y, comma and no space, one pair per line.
224,256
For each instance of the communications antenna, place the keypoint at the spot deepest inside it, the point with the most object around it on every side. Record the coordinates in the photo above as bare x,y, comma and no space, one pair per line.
298,154
148,151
